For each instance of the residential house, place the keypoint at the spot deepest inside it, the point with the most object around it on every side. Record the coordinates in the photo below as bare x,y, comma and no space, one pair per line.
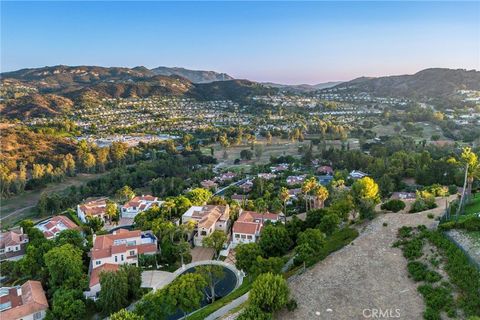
13,244
207,219
404,196
120,247
227,176
325,179
279,168
356,174
239,198
326,170
209,184
246,186
293,194
92,208
53,226
267,176
25,302
294,180
139,204
249,225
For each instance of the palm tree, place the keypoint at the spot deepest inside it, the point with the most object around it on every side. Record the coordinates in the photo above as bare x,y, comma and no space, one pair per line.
169,205
472,168
321,194
284,195
308,186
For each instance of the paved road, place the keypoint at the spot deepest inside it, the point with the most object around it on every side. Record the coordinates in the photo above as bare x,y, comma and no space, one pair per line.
225,309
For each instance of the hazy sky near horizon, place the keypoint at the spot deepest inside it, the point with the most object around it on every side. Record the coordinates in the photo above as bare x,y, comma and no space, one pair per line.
285,42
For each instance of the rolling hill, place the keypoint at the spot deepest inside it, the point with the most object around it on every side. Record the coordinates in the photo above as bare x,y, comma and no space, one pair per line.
425,84
195,76
60,88
302,88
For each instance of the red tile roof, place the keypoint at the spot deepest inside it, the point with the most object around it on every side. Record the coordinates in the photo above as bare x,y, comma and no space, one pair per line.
246,227
250,222
12,238
95,275
104,247
31,300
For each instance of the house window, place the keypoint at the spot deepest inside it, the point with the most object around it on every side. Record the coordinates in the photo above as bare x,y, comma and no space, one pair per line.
132,252
243,236
203,233
121,257
249,237
98,262
37,315
17,248
116,259
237,235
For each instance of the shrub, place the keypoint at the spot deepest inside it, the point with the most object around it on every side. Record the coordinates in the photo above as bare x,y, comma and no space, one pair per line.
393,205
405,232
471,223
430,216
253,312
385,224
437,298
269,292
425,201
417,270
292,305
431,314
437,190
413,249
447,225
452,189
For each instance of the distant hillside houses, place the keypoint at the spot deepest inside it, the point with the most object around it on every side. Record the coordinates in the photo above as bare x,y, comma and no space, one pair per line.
357,174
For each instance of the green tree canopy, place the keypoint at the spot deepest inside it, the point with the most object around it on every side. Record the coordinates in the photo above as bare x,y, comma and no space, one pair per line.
215,240
269,292
67,304
199,196
125,315
245,255
114,291
274,240
65,267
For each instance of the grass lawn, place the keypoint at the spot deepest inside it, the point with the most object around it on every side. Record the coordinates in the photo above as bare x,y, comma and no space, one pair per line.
474,205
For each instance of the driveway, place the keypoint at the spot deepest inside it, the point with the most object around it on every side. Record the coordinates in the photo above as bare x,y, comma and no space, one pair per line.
201,254
366,277
156,279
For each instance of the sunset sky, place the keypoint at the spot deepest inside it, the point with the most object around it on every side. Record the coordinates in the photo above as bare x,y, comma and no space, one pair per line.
284,42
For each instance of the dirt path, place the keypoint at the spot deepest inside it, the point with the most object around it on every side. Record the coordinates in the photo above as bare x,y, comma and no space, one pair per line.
365,276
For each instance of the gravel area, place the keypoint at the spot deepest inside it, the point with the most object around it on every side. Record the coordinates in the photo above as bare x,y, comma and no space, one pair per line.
366,279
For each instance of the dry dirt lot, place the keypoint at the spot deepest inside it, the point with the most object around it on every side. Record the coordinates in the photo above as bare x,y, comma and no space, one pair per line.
365,276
